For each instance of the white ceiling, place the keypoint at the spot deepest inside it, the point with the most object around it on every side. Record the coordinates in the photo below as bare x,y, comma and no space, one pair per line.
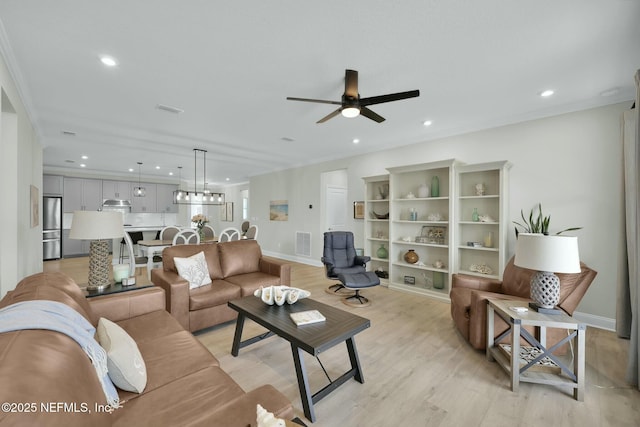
230,66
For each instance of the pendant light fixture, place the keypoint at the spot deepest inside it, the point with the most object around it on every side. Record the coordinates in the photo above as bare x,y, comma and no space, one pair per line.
139,191
205,197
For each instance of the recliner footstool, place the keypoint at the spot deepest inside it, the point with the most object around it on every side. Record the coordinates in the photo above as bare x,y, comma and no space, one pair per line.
357,281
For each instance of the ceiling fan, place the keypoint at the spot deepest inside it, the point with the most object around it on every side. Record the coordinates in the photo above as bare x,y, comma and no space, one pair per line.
352,105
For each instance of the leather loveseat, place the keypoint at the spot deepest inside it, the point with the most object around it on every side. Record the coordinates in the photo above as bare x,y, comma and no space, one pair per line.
469,296
47,379
236,269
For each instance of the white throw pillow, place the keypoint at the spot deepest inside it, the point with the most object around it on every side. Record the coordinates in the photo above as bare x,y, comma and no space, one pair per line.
124,361
194,269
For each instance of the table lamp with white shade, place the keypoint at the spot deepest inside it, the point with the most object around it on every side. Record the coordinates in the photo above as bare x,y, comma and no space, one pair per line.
547,255
99,227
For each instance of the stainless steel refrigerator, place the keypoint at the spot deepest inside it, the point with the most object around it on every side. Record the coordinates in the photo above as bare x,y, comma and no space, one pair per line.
51,228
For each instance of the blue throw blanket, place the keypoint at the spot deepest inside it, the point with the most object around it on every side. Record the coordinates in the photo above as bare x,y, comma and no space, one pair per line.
59,317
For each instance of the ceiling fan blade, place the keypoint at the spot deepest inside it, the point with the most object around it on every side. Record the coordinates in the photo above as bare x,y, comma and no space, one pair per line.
351,83
329,116
364,111
388,98
318,101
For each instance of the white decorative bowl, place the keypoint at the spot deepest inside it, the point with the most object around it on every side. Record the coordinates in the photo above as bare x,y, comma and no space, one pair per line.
280,294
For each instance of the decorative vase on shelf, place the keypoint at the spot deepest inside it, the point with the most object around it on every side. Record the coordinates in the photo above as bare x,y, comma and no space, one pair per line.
423,191
382,252
488,240
474,216
435,186
438,280
411,256
383,190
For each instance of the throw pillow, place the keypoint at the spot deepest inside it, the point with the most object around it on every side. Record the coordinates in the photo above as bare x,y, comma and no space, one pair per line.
124,361
194,269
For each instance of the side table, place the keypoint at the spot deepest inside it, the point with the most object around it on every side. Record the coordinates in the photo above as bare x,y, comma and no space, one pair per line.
115,288
521,370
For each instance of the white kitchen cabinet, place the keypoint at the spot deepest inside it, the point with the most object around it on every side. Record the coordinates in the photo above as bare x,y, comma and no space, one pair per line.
52,185
146,203
422,221
73,247
482,219
118,190
82,194
376,230
164,199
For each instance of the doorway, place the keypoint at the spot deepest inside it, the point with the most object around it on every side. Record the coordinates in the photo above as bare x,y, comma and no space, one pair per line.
334,190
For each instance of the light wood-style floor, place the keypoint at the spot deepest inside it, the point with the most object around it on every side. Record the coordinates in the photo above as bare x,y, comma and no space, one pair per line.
418,370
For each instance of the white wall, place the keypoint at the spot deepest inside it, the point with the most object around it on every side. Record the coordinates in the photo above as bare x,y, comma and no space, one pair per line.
20,167
570,163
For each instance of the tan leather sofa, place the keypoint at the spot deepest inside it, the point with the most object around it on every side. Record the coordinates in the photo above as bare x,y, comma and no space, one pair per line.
185,384
236,268
469,296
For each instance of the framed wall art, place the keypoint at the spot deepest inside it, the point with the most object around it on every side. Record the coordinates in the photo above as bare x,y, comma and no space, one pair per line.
358,210
279,210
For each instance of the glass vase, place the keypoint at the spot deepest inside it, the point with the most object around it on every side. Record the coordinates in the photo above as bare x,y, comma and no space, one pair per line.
382,252
475,217
435,186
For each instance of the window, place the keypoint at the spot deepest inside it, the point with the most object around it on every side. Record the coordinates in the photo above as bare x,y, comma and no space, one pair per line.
245,204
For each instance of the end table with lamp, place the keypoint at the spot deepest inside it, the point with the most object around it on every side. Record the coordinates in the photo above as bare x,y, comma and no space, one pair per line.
535,363
547,255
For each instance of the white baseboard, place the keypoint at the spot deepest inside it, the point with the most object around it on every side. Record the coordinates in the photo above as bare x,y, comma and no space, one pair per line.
596,321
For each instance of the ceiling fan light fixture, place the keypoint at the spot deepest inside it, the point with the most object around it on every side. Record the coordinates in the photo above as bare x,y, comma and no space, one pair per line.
350,112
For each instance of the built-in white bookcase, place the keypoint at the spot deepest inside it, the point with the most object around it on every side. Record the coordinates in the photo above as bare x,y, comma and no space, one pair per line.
482,238
432,223
440,228
376,231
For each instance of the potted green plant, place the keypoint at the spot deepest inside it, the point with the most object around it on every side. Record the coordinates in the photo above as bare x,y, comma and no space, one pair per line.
539,224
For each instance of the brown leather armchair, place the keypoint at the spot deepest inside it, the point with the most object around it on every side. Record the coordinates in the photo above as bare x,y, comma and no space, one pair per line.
469,296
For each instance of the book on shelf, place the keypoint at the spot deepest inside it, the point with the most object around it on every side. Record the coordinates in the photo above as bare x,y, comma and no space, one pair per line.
307,317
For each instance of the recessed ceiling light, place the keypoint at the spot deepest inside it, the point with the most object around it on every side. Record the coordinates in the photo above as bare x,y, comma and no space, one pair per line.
170,173
84,157
157,167
108,61
130,169
227,179
82,165
546,93
427,123
356,140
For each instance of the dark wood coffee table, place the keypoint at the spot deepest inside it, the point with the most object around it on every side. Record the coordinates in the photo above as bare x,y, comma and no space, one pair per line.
340,326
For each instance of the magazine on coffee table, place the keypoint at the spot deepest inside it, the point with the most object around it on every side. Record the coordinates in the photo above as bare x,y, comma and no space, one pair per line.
307,317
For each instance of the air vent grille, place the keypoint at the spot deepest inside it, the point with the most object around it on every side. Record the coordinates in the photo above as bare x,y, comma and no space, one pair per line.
303,243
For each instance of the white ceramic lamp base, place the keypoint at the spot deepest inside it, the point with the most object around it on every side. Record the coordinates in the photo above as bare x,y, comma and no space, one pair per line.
545,290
